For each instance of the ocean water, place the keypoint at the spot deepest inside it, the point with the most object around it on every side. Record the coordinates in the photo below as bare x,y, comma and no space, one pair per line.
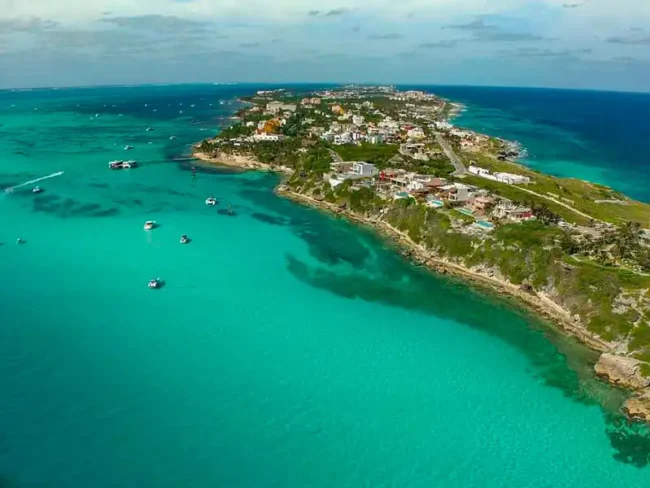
602,137
287,348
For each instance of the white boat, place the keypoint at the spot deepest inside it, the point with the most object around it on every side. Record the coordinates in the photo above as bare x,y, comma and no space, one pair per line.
171,138
127,147
149,129
117,164
157,283
129,164
149,224
37,189
211,201
185,239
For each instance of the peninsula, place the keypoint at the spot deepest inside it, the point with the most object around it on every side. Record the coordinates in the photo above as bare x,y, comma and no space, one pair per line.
458,201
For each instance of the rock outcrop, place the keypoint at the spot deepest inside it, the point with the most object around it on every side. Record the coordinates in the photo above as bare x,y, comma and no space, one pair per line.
621,370
638,407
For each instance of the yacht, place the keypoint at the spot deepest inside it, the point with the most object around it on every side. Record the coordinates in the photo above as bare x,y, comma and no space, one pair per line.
185,239
117,164
211,201
20,241
127,147
157,283
149,224
37,189
149,129
171,138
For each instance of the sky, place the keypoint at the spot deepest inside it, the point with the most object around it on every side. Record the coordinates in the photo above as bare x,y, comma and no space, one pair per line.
596,44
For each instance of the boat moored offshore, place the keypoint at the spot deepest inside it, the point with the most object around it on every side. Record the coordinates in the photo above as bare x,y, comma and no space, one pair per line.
149,224
157,283
211,201
185,239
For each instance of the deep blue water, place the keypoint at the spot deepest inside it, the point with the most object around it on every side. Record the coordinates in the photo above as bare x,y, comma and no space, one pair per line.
598,136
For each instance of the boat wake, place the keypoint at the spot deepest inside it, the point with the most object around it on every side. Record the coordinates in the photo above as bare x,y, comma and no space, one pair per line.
31,182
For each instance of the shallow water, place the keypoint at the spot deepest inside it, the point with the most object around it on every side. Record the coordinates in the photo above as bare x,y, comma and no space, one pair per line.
287,348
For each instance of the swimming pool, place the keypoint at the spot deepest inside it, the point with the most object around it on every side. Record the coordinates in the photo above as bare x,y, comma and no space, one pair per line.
483,224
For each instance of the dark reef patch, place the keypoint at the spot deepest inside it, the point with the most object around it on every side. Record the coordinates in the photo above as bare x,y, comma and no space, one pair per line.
67,208
630,440
270,219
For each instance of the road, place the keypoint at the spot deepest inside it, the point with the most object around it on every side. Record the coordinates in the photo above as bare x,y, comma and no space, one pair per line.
565,205
461,170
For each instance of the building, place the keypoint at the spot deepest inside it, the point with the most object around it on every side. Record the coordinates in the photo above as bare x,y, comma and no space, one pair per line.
481,205
375,139
344,138
277,107
512,179
358,120
457,192
363,169
266,137
415,133
506,209
337,109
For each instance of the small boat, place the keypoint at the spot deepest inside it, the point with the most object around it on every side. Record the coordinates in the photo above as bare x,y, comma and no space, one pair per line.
157,283
211,201
127,147
20,241
185,239
117,164
171,138
37,189
149,129
149,224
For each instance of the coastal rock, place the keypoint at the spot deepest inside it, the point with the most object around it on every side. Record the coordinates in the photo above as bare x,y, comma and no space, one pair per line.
638,407
621,370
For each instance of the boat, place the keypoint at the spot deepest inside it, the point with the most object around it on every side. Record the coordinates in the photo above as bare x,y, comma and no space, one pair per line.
211,201
185,239
149,224
149,129
127,147
129,164
157,283
37,189
20,241
171,138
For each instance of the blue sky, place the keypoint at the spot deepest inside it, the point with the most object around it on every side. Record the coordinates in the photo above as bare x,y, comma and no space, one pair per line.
602,44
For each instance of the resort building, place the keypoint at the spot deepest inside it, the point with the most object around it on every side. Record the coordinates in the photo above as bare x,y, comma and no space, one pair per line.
506,209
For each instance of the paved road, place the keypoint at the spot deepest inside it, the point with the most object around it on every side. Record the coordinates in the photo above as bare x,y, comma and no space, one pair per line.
461,170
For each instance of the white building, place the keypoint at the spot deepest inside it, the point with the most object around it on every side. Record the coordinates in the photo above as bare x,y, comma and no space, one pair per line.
415,133
512,179
345,138
358,120
475,170
362,169
264,137
276,107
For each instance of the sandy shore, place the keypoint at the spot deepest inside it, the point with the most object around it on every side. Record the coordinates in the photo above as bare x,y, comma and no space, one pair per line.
238,161
537,302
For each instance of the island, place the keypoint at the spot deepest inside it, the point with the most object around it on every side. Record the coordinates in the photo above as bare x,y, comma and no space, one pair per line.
459,202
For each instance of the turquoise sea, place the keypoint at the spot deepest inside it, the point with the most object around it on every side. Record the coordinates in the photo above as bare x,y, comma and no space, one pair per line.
287,348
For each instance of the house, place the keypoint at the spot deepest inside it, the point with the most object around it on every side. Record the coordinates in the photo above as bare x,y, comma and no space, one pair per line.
267,137
506,209
363,169
457,192
415,133
512,179
481,204
276,107
375,139
358,120
476,170
250,124
345,138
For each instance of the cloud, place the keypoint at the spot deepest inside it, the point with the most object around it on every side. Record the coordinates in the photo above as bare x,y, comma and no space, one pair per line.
572,5
439,44
157,23
630,40
391,36
336,12
250,45
26,24
485,32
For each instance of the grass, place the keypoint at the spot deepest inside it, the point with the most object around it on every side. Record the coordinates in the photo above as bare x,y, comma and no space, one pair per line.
377,154
578,193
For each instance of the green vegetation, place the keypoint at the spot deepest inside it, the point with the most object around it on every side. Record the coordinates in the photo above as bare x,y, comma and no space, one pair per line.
377,154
